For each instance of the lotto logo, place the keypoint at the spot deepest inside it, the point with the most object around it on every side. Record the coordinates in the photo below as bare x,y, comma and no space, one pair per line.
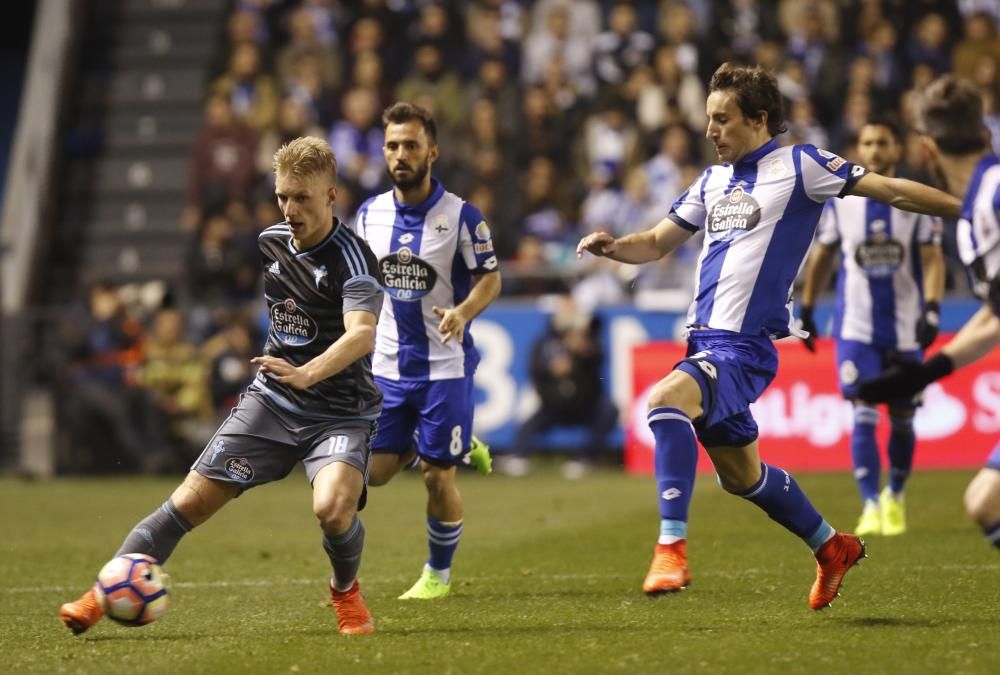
670,493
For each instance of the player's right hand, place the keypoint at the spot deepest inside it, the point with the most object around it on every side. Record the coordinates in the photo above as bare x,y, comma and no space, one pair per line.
598,243
808,324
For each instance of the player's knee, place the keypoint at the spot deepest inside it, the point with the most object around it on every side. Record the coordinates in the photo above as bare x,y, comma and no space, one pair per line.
198,497
982,500
674,393
335,512
438,480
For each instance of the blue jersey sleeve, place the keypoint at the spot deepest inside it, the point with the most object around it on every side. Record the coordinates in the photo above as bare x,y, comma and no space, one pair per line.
475,241
826,175
689,210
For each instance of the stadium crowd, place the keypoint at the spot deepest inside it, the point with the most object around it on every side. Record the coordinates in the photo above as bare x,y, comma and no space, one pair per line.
556,118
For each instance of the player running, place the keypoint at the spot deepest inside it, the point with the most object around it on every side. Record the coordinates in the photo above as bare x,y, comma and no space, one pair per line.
956,141
314,399
889,291
439,272
759,210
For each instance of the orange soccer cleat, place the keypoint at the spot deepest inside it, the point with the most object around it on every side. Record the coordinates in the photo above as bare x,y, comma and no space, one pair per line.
353,617
80,615
669,570
839,554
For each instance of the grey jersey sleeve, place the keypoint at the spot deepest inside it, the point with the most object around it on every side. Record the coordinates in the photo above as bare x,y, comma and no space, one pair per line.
362,293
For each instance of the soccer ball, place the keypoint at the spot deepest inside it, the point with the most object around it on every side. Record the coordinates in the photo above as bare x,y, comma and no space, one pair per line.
133,589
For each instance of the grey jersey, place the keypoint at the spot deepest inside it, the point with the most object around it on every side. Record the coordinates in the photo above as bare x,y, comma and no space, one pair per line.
308,293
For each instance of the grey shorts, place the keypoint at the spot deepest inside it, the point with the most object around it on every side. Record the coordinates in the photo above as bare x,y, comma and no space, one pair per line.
259,443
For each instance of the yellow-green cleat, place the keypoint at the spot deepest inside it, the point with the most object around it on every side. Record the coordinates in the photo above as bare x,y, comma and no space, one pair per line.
893,513
479,457
870,522
428,587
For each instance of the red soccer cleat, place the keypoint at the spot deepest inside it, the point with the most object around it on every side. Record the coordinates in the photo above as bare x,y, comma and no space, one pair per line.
353,617
669,570
839,554
80,615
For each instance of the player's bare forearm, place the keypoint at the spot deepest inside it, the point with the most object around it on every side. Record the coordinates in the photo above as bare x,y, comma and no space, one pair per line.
977,338
932,265
636,248
818,273
908,195
485,290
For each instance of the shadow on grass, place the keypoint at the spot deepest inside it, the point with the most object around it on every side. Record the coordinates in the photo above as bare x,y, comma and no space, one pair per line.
885,622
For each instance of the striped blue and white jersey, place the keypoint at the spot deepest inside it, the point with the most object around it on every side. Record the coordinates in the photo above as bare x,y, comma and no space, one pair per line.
880,286
759,217
428,254
978,230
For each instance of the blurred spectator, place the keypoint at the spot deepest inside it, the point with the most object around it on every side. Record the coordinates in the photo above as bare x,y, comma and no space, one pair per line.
223,164
803,126
620,48
252,94
980,40
671,89
492,81
106,414
664,169
547,208
356,140
566,371
929,44
293,121
485,28
228,354
553,38
223,266
175,375
305,40
610,141
441,24
739,26
368,72
306,86
542,130
432,78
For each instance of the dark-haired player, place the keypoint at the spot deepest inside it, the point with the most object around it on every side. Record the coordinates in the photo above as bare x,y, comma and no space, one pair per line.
759,210
439,271
889,290
956,141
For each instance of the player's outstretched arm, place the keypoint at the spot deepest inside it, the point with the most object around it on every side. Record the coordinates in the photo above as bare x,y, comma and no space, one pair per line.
978,337
932,266
907,195
358,340
636,248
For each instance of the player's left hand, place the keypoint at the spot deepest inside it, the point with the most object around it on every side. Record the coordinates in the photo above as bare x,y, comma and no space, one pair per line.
904,379
452,323
927,325
282,371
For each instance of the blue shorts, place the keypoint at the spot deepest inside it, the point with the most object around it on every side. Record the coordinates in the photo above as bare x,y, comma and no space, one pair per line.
857,361
437,412
732,370
993,461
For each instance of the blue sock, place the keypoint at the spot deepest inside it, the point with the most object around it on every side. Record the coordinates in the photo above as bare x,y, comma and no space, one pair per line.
864,451
442,539
902,442
783,500
992,533
675,460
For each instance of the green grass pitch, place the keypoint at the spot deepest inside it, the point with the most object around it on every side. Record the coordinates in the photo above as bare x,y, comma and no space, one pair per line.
547,580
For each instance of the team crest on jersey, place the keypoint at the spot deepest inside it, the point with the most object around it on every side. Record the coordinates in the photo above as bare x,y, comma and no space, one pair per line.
736,213
879,255
439,224
319,275
776,169
405,276
291,325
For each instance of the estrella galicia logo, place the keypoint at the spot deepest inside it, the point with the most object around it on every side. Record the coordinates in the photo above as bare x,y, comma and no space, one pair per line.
879,256
405,276
736,213
239,469
291,325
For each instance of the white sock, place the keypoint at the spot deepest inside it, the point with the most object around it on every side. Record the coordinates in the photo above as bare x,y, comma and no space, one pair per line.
443,575
668,539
